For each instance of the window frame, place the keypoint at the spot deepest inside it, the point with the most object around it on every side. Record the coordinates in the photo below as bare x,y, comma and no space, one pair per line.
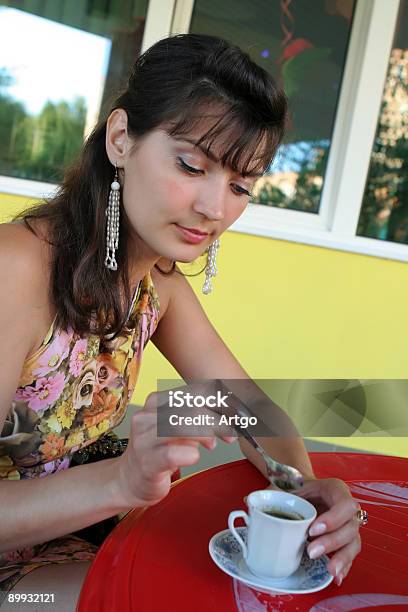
354,131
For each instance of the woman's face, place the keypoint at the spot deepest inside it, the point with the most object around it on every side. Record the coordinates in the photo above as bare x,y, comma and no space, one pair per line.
177,199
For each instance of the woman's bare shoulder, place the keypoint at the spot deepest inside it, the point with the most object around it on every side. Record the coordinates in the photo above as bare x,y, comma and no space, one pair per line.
19,236
24,260
24,304
170,286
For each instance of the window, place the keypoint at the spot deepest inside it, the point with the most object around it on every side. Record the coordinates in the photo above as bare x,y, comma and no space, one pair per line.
384,214
303,45
330,169
58,68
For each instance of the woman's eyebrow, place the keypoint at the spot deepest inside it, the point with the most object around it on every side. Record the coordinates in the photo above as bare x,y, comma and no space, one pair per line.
201,147
215,159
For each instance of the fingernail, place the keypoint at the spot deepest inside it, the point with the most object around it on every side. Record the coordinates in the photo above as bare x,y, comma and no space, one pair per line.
315,551
317,529
339,580
337,570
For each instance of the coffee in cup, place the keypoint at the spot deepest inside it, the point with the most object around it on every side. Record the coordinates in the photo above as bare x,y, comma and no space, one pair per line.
277,524
283,514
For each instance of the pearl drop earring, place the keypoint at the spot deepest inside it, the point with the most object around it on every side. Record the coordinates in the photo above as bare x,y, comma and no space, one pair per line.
211,267
112,224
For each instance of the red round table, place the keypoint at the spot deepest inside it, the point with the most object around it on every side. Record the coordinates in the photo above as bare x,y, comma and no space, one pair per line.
157,559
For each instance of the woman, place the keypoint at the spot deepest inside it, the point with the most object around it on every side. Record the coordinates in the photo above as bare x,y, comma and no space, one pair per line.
89,278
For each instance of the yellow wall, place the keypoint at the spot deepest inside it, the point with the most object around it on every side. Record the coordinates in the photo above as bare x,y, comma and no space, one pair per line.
289,310
11,205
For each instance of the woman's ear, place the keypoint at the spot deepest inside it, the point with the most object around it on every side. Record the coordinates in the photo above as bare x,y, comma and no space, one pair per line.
117,137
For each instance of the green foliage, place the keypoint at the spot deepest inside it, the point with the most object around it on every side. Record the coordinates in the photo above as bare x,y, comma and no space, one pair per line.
271,196
384,214
38,147
307,185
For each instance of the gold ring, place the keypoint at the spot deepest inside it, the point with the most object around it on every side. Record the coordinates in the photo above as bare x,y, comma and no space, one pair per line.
362,516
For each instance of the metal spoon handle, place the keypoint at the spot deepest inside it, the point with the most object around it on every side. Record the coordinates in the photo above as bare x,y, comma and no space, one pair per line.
279,474
284,476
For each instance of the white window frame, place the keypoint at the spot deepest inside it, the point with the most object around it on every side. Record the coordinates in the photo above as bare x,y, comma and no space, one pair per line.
351,145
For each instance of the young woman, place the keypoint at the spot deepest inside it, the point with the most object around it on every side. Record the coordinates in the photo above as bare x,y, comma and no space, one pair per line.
90,276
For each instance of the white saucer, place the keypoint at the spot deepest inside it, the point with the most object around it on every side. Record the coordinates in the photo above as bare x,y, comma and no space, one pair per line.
311,576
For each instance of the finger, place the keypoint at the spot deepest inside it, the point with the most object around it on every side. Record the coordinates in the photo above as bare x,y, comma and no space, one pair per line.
331,490
229,439
142,422
160,400
334,518
187,442
309,488
208,442
171,457
193,424
153,401
345,556
333,541
339,579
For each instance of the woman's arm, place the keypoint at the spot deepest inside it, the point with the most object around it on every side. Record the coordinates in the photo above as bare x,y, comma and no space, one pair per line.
41,509
33,511
188,340
36,510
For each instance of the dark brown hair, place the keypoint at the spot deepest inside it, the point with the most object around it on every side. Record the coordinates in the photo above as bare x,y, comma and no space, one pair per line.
175,83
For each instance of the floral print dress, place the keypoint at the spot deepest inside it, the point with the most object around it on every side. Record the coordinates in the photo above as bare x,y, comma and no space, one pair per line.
72,390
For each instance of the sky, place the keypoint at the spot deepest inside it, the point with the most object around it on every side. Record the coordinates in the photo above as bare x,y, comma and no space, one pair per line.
51,61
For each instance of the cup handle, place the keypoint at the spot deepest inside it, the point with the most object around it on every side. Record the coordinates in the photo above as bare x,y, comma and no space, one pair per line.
231,519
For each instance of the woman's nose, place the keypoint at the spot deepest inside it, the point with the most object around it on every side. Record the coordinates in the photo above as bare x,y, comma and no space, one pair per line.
211,203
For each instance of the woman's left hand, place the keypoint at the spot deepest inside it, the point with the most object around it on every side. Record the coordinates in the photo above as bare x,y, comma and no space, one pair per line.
336,527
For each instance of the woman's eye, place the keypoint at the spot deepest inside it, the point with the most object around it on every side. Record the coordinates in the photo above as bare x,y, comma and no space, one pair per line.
191,170
188,168
241,191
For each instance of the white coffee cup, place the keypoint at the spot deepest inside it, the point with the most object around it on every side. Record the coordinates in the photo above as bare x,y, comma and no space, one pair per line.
274,545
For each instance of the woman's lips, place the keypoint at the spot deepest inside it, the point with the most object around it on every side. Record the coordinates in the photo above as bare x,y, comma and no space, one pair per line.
192,236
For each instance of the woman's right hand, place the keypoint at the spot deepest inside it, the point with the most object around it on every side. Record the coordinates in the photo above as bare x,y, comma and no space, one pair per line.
146,466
